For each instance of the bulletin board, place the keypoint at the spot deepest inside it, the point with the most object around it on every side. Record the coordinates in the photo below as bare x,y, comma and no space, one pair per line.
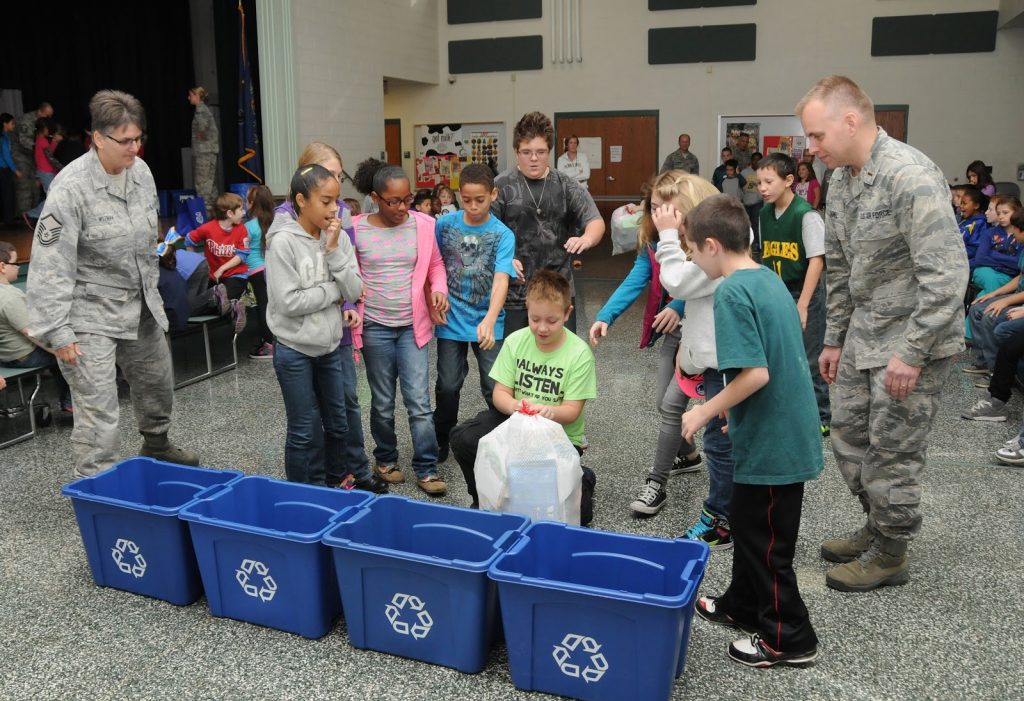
443,150
768,133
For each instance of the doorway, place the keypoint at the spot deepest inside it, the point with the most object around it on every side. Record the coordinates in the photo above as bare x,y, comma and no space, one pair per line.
622,147
393,141
894,119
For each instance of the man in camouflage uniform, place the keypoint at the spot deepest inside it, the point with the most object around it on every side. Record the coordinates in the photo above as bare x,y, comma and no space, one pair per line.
24,155
92,289
681,158
205,147
896,272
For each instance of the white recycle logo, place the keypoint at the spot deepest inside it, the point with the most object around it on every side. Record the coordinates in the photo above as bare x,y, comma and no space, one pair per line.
563,656
125,547
266,591
394,610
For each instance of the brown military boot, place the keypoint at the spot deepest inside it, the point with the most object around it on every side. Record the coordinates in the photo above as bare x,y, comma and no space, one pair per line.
884,563
158,447
849,548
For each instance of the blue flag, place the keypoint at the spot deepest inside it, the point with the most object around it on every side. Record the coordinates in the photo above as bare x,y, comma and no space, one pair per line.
250,157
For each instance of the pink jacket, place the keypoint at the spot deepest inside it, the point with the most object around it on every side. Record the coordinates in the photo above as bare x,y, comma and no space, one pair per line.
428,276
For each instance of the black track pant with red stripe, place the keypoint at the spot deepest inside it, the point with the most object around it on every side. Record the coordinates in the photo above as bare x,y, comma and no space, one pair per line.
763,594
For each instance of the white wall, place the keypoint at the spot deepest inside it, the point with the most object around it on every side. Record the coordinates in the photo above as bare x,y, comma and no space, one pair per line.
962,106
343,51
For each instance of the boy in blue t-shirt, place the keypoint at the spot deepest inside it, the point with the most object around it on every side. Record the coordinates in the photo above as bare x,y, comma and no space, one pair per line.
776,443
477,250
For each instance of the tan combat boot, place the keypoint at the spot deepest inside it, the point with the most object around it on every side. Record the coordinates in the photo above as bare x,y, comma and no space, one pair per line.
849,548
884,563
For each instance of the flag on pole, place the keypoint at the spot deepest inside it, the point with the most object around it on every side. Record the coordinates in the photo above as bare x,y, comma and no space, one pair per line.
250,157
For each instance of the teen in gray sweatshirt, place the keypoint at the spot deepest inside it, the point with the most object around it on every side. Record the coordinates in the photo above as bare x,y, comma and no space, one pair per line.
311,270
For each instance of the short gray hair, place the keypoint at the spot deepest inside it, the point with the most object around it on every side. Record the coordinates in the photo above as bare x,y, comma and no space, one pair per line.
113,109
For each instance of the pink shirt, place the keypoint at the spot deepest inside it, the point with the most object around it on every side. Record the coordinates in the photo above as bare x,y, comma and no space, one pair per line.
43,164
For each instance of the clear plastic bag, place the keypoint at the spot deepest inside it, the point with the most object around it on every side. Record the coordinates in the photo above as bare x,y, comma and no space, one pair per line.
625,222
527,465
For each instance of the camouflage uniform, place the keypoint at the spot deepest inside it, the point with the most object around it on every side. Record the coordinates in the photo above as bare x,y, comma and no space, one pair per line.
896,272
93,281
23,150
677,160
205,146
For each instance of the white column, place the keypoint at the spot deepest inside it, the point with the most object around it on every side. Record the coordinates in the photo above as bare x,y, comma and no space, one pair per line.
277,92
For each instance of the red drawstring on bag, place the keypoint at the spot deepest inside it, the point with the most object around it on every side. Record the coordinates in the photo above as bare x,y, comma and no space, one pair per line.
524,409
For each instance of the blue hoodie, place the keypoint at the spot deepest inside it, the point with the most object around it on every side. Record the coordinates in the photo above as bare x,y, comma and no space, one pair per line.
973,230
998,250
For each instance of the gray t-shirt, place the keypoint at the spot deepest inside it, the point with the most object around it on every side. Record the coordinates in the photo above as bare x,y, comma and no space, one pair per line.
13,318
565,209
387,257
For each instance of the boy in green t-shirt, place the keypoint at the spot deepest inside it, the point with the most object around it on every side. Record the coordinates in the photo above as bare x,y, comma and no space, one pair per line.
776,445
549,368
793,246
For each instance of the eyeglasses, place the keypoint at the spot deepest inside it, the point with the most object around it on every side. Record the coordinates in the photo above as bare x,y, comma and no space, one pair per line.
395,201
140,140
16,265
541,153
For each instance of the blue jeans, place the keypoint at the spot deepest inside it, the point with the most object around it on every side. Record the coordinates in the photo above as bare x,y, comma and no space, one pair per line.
814,343
39,358
452,368
44,179
391,354
314,401
355,462
983,327
718,451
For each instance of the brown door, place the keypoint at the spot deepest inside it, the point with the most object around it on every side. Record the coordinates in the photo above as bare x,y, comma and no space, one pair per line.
393,141
633,141
893,120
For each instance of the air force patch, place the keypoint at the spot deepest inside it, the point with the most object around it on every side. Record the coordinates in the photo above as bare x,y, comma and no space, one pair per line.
48,230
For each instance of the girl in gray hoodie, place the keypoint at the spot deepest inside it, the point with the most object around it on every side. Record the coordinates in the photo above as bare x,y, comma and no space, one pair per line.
311,270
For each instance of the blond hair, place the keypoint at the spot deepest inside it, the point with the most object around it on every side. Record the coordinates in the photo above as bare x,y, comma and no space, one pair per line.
316,153
200,92
839,93
682,189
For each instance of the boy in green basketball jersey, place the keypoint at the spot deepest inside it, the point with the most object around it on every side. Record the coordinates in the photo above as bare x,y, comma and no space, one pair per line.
793,246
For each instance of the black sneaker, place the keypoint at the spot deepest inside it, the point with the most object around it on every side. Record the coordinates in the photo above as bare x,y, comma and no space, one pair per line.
706,608
443,451
650,499
682,465
373,483
754,652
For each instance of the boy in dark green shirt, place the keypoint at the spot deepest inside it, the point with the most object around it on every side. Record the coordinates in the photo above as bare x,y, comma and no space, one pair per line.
776,442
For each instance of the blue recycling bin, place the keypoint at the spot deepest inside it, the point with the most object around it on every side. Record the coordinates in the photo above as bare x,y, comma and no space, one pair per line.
128,518
597,615
260,556
166,207
413,578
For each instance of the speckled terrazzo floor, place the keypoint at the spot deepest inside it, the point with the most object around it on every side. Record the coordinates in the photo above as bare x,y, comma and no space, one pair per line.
950,634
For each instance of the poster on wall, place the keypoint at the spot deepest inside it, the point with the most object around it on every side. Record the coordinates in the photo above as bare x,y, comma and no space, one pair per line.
732,135
443,150
778,144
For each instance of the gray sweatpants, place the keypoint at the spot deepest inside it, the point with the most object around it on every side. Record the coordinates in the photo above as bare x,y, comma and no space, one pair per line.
146,364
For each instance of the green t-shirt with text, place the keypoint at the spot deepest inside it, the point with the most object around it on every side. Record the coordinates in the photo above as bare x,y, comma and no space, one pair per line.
776,437
548,378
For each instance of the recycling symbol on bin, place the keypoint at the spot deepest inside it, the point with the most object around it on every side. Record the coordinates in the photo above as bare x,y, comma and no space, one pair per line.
125,553
563,654
400,602
267,586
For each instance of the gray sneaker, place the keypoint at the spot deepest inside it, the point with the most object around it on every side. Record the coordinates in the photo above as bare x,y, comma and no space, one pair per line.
987,409
983,381
1011,454
975,370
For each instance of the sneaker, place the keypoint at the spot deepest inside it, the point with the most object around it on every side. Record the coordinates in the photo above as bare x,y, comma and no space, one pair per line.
265,351
826,430
220,299
754,652
390,473
975,370
1013,443
682,465
238,317
873,569
987,409
984,382
713,530
373,483
67,406
650,499
443,451
432,485
1011,454
706,608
